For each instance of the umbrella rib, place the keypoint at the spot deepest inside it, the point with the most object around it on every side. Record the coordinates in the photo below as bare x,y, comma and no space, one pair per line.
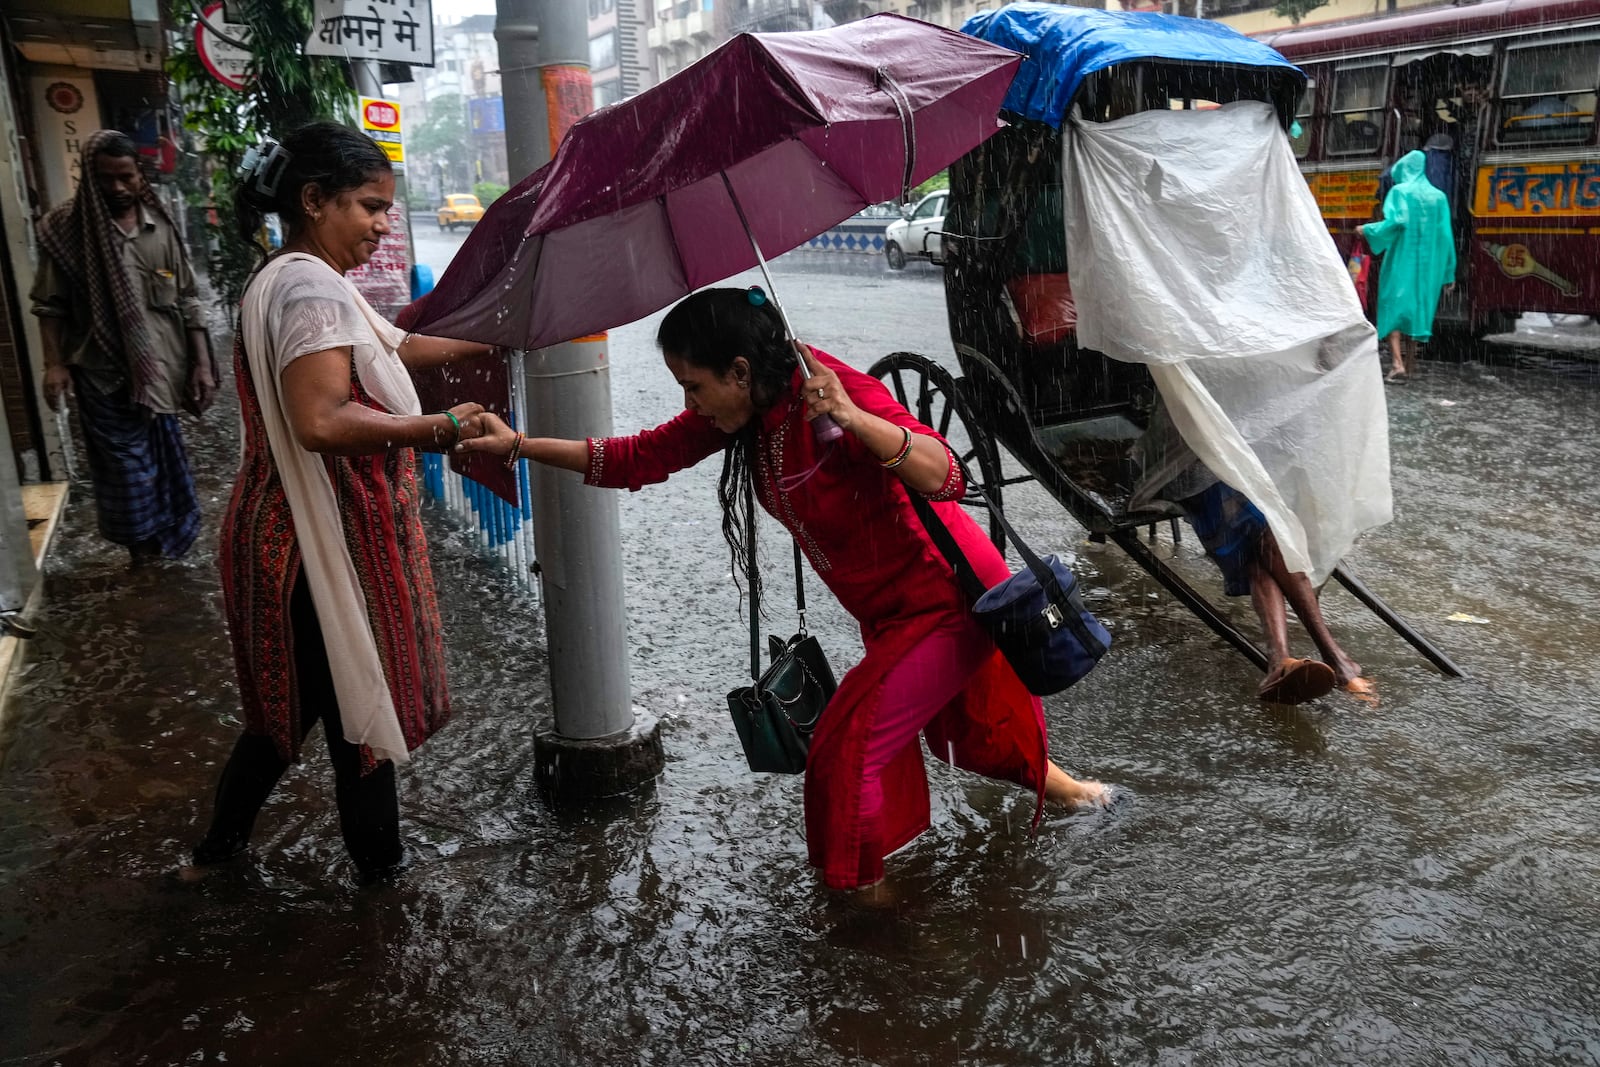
534,274
672,232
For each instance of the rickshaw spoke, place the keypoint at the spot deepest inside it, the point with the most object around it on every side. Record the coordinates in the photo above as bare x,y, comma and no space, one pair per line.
899,387
940,407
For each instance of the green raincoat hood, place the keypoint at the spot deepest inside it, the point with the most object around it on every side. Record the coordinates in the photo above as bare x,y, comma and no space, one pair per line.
1410,167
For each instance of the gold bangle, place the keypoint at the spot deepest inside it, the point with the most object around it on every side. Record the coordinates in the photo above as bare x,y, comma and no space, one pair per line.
515,453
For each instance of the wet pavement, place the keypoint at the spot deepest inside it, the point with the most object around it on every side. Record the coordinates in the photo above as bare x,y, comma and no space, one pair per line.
1407,884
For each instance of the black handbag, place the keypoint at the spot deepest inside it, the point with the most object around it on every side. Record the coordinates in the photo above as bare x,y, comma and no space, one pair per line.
1036,616
775,716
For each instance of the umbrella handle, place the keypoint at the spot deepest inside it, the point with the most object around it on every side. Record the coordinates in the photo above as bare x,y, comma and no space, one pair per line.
826,430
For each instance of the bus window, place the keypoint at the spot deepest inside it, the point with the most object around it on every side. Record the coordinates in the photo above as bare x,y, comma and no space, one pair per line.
1302,116
1356,125
1547,93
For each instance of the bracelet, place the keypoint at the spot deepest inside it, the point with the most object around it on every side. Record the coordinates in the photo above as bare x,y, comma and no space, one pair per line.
515,454
453,422
900,457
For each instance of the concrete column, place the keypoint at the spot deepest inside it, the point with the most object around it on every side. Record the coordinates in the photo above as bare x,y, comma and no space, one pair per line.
596,744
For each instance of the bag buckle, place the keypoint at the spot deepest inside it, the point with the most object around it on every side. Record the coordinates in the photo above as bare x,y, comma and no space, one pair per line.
1052,615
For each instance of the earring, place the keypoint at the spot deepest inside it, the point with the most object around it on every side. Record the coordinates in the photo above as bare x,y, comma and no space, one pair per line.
316,216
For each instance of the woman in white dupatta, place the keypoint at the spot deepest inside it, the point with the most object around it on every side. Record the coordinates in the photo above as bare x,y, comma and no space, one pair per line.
326,583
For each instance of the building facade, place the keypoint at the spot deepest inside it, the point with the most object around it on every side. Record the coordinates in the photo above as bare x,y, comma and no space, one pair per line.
459,93
67,68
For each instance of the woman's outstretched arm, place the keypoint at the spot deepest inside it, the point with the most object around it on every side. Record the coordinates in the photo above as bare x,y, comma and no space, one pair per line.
644,458
323,417
498,439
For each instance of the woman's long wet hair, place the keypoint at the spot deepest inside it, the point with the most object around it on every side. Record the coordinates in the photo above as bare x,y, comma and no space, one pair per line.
327,155
711,329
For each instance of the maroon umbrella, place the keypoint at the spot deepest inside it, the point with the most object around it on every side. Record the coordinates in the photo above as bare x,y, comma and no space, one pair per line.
642,203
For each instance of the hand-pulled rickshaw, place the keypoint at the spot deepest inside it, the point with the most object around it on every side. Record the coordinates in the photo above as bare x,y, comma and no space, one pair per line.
1020,207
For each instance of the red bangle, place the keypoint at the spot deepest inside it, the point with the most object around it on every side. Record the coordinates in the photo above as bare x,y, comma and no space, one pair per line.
900,457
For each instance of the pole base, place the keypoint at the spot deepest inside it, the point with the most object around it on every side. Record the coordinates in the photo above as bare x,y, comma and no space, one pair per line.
570,769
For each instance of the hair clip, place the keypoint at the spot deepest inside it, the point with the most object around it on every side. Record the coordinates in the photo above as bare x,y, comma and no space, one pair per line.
755,296
270,171
264,166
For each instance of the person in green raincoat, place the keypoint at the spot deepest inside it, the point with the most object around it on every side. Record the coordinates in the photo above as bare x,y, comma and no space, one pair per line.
1419,259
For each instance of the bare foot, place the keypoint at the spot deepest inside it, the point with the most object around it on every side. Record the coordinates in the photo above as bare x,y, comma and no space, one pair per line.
877,896
1345,671
1065,791
1361,688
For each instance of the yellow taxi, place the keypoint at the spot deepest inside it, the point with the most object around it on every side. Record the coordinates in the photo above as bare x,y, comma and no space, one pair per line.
459,209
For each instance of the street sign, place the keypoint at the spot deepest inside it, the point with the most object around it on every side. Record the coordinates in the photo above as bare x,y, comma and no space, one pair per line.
227,62
486,114
380,120
396,31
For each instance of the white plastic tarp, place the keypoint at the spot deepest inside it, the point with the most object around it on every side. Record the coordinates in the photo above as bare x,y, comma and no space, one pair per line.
1198,250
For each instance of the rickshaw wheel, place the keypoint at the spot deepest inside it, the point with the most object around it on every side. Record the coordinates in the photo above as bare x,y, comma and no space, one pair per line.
933,395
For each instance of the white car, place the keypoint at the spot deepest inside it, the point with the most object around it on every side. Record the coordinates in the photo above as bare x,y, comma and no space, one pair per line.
918,235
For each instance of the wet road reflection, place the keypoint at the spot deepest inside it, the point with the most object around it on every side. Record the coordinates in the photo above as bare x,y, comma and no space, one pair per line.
1407,884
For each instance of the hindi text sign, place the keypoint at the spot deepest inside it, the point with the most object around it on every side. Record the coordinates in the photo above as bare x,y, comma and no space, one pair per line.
1558,189
393,31
385,279
227,62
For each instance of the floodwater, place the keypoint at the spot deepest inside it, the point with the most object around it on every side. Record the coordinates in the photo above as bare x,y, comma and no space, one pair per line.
1413,883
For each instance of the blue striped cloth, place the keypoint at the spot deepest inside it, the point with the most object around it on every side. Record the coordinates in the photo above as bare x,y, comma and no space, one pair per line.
143,491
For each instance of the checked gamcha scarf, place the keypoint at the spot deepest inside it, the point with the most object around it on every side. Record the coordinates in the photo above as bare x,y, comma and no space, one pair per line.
78,236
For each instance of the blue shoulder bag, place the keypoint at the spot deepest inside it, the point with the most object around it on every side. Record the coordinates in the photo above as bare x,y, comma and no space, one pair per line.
1036,616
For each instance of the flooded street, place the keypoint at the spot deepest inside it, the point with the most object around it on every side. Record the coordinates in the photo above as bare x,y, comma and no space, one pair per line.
1411,883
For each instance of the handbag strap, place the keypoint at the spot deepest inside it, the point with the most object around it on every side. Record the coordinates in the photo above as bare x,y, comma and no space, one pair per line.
968,578
755,585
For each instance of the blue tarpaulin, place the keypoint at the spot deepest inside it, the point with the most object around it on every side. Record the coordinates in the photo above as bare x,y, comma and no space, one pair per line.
1064,45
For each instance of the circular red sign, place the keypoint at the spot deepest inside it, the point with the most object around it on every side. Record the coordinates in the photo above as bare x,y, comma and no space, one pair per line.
382,115
228,63
64,97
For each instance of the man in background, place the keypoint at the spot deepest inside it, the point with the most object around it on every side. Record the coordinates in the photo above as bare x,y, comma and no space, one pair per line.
123,332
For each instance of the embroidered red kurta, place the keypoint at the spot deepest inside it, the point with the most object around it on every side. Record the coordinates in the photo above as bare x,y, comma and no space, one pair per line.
260,559
855,522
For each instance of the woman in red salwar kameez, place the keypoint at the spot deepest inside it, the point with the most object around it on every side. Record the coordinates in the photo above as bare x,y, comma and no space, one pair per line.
928,667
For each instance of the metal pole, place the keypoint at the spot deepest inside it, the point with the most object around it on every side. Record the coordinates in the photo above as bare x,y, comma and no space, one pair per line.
1413,636
364,72
596,745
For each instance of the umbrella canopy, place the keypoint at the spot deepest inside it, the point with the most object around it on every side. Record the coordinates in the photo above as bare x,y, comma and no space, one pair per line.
635,209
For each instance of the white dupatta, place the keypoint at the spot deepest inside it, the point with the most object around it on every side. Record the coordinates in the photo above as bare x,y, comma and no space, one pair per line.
366,708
